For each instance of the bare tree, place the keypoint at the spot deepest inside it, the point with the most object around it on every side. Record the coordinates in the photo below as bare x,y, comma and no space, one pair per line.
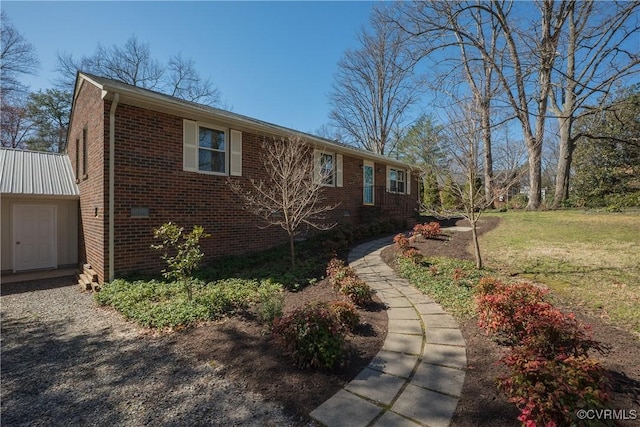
442,29
183,81
15,124
133,64
464,135
291,196
17,57
373,89
523,72
590,62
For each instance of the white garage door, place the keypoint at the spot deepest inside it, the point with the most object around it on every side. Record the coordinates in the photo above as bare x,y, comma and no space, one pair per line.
34,237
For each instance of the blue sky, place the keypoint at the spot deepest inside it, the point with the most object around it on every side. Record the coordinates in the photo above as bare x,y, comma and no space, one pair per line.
274,61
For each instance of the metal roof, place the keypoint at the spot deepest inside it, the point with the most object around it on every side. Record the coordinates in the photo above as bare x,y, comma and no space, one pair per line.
36,173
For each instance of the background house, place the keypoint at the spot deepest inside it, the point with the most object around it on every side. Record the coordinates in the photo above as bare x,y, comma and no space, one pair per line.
141,158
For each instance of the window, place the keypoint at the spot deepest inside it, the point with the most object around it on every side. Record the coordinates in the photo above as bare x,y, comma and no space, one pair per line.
397,181
77,158
327,168
85,159
212,150
368,181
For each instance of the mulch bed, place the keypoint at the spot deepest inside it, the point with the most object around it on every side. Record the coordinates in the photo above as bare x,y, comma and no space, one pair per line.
481,403
243,350
240,349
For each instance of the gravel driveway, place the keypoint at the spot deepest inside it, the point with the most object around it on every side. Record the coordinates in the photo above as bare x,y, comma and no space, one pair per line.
66,362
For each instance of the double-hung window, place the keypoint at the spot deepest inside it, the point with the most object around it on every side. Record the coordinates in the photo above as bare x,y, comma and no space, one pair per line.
211,149
212,146
397,181
328,168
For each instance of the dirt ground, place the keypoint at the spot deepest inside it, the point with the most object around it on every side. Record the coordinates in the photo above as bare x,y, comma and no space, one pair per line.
247,354
480,403
242,351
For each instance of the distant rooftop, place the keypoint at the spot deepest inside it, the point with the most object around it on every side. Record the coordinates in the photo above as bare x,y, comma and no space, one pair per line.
36,173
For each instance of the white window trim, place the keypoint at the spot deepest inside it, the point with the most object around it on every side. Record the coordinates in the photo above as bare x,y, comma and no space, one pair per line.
337,167
406,180
226,149
191,148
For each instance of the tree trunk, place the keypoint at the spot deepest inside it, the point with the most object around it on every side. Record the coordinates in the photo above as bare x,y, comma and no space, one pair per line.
488,159
567,146
476,244
292,251
534,152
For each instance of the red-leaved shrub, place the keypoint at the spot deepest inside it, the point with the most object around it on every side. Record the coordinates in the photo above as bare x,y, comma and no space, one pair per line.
551,374
344,280
314,336
346,313
428,231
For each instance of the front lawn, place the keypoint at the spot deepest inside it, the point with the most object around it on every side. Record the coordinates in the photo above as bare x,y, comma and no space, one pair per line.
591,258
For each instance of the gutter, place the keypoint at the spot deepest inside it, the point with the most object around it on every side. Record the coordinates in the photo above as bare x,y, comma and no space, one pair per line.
112,197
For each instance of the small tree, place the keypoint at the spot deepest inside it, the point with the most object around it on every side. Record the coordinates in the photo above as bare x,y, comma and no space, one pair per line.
465,196
186,252
291,195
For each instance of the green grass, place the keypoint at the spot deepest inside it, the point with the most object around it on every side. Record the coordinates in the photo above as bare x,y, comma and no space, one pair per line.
450,282
593,259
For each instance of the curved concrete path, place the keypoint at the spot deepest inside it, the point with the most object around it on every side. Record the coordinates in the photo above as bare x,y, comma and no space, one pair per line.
417,377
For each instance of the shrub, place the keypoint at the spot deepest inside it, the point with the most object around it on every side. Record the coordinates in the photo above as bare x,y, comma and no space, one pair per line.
506,311
336,269
181,252
550,391
346,313
402,242
162,305
414,255
357,290
270,302
313,335
520,315
344,280
428,231
551,374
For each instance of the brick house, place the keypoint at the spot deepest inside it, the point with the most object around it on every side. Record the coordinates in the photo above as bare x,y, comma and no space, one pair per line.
142,158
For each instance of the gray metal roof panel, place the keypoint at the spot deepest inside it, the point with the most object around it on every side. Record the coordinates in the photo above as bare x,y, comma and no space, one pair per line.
36,173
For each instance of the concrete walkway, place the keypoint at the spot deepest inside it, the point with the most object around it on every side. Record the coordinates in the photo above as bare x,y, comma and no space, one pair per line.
416,379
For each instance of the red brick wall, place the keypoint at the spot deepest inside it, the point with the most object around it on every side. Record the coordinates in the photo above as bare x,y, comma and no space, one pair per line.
148,173
88,113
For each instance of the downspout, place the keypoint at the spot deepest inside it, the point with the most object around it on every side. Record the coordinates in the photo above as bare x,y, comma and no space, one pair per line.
112,197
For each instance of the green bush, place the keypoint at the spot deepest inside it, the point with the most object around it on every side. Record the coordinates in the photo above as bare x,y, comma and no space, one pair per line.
271,302
181,252
313,335
161,304
357,290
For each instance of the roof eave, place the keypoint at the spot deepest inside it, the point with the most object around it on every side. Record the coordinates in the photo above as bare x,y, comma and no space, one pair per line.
168,104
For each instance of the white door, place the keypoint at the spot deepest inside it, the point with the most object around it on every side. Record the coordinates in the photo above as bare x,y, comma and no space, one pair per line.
34,237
